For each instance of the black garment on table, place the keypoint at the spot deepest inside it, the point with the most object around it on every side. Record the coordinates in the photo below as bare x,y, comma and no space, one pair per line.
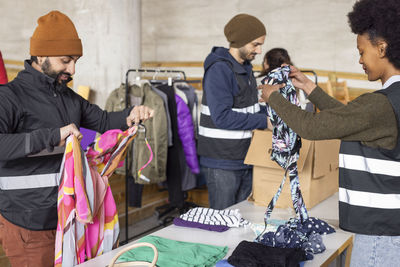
252,254
174,173
135,193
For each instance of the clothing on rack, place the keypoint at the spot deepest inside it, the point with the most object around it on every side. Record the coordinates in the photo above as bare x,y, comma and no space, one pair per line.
135,192
156,132
169,126
157,136
179,175
188,157
186,134
190,93
188,178
181,94
174,172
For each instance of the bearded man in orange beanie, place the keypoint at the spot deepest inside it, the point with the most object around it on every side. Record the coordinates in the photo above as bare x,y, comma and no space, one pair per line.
37,113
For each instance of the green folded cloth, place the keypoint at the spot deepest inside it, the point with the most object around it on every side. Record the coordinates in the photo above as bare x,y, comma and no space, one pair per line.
175,253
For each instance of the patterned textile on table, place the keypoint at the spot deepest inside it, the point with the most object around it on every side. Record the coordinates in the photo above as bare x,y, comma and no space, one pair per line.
303,231
208,216
87,214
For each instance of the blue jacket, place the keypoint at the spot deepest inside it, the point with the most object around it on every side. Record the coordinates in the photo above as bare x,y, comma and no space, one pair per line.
221,90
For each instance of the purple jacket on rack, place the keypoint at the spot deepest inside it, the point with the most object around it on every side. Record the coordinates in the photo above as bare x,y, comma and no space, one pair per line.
186,134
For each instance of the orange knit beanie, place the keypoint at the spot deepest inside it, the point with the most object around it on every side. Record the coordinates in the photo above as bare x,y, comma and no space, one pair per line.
55,35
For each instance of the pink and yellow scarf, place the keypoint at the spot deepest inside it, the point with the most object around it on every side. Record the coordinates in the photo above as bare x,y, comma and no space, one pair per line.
87,214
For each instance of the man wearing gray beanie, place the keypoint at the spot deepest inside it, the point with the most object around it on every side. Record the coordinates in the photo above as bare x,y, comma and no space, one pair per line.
230,111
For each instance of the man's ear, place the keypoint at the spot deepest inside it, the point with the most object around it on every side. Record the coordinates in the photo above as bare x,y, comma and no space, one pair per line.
41,60
382,45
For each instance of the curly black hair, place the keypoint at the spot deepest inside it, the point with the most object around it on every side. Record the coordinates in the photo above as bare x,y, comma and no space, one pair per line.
380,20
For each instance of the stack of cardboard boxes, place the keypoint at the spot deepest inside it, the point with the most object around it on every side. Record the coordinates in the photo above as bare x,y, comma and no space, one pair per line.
318,167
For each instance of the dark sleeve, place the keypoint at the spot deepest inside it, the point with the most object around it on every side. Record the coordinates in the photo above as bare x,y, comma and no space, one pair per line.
263,109
94,118
220,86
17,145
359,120
322,100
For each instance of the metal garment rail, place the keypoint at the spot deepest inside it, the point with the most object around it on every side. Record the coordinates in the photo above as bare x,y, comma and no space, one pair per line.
155,71
128,104
313,73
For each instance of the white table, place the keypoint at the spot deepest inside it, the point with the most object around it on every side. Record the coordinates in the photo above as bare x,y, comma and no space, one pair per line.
337,245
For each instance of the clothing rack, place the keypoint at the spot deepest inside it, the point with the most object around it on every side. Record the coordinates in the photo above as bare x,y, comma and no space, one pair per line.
166,209
313,73
156,71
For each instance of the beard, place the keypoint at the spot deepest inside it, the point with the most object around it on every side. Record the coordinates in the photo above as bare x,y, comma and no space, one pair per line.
47,69
246,55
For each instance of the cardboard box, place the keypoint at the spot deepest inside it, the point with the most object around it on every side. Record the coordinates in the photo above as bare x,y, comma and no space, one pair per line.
318,167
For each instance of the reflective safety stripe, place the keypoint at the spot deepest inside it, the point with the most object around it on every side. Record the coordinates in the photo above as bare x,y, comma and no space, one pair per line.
370,200
376,166
224,134
29,181
251,109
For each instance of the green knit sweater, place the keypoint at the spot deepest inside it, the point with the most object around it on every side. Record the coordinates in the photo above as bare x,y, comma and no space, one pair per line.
369,118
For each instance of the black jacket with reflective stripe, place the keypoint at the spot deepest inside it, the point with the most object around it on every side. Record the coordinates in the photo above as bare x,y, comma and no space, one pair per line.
227,147
33,108
366,187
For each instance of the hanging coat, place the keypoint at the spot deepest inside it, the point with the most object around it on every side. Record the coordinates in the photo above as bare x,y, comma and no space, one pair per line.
156,129
186,134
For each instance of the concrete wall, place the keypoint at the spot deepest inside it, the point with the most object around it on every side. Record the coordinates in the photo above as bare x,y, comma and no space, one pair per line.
119,34
109,30
315,32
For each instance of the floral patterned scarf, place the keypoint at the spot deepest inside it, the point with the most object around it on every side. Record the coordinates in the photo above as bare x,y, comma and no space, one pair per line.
286,145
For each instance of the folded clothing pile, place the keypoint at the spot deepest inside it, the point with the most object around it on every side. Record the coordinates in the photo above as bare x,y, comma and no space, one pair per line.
211,219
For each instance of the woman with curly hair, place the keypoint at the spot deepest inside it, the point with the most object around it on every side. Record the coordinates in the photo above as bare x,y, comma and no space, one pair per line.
368,126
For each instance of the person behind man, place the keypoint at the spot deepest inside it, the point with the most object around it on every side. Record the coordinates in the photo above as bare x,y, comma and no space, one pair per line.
369,184
229,111
273,59
38,112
